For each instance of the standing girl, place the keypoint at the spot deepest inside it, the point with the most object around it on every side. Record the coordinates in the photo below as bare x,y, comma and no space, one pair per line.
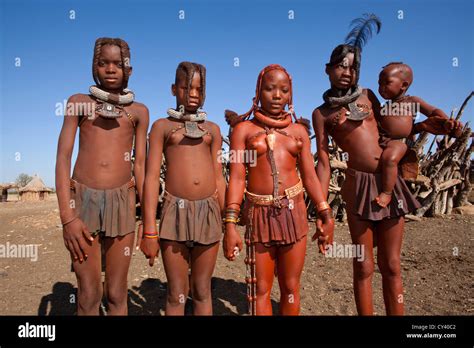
275,211
97,206
190,223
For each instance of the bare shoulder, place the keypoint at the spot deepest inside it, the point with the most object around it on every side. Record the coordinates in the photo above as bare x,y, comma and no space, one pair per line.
139,110
414,99
370,95
321,114
319,111
244,126
243,130
367,92
79,105
299,130
160,126
79,97
213,127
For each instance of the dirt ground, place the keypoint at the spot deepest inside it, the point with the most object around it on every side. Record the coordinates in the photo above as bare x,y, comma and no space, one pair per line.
437,268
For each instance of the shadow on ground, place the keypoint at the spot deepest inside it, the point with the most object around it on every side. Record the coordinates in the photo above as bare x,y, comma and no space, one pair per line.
228,297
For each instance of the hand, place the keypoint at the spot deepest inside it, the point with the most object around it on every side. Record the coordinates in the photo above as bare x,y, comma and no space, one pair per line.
77,239
324,230
151,248
232,240
453,127
439,125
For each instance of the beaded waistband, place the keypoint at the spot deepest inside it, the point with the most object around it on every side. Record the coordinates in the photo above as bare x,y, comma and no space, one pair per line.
268,199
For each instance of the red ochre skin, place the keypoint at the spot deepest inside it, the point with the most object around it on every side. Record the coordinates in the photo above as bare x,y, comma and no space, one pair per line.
396,120
193,172
359,139
289,153
102,163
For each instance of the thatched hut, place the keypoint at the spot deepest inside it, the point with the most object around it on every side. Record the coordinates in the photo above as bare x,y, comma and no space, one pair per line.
35,190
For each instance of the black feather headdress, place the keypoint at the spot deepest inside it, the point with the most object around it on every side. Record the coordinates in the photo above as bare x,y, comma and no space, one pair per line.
362,30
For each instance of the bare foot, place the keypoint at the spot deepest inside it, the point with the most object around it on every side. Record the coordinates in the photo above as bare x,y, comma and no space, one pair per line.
383,199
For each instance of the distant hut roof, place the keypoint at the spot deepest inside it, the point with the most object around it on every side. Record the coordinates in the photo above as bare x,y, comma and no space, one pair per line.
8,185
35,185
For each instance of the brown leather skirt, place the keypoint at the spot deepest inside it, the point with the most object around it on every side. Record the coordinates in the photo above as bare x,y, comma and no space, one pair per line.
188,221
276,226
109,212
360,189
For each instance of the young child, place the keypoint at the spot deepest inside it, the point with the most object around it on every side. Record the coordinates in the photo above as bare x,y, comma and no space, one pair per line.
191,216
396,121
97,206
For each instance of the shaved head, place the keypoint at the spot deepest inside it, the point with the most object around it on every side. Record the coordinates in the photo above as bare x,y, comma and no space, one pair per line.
403,71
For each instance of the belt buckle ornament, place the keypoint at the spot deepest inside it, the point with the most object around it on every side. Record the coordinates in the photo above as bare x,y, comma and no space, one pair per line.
293,191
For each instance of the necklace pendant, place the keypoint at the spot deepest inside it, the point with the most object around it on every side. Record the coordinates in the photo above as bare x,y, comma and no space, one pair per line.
356,112
271,140
108,110
192,130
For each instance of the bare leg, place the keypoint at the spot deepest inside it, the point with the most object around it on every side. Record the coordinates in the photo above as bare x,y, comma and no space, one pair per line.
362,234
390,235
265,272
391,156
176,263
118,251
89,282
290,262
203,261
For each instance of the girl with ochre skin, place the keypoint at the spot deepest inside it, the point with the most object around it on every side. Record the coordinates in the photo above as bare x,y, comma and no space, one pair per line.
97,206
359,139
191,217
275,212
349,116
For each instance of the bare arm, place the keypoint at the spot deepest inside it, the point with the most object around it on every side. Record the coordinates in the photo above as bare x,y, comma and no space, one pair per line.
75,231
152,177
151,189
63,162
438,122
235,192
325,222
427,109
140,151
216,153
306,165
376,107
323,169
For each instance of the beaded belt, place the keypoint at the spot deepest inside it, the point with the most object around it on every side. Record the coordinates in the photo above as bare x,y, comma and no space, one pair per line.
268,199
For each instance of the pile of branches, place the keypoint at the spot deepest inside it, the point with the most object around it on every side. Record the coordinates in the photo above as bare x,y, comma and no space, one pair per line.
444,181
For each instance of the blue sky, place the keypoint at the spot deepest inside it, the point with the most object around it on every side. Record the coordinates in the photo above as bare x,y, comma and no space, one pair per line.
56,55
